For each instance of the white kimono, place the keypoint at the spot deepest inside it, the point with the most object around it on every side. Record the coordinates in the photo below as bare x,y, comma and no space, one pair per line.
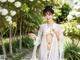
55,51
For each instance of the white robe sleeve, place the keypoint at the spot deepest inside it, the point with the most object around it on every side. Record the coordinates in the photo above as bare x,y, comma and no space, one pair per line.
39,37
61,43
36,43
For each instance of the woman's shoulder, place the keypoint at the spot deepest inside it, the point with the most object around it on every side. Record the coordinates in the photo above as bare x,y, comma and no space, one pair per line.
43,25
56,25
59,27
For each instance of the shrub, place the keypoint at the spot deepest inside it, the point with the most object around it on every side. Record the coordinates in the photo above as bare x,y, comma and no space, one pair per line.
72,52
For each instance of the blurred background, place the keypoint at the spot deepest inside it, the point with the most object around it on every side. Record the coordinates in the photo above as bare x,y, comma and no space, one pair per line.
20,21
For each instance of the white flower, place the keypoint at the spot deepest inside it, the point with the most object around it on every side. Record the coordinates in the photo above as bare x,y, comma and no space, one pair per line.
30,0
10,22
12,12
11,1
76,7
69,17
8,18
4,11
3,1
17,4
73,12
78,26
77,14
70,2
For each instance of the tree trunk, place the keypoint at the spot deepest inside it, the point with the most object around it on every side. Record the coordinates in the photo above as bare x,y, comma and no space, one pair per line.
3,47
20,43
14,36
10,42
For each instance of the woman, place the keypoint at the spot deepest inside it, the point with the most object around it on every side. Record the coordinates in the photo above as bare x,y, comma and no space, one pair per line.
50,39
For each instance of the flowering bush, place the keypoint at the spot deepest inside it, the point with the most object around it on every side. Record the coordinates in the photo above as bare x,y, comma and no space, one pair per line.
8,12
71,29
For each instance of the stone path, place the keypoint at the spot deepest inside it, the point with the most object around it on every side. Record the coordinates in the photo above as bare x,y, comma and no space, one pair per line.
28,56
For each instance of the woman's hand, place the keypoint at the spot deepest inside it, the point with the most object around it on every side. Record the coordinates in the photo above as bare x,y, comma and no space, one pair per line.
32,35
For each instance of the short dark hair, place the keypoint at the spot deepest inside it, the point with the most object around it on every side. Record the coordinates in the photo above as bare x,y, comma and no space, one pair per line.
48,9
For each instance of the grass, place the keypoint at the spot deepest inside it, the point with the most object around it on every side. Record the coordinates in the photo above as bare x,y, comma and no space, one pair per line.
19,55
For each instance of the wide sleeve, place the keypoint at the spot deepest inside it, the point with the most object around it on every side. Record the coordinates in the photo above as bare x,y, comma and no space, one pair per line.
60,36
36,43
61,43
39,36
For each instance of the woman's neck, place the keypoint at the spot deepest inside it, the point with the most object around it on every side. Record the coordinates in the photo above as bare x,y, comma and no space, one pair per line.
50,23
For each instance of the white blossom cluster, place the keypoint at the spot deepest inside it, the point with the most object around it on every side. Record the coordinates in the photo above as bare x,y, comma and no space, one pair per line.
75,6
3,1
31,0
16,3
69,17
4,11
78,26
73,13
9,19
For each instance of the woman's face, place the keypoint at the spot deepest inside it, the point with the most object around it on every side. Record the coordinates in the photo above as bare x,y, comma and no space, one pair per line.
49,16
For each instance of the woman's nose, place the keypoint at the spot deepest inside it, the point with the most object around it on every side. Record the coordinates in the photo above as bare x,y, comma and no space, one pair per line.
47,16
